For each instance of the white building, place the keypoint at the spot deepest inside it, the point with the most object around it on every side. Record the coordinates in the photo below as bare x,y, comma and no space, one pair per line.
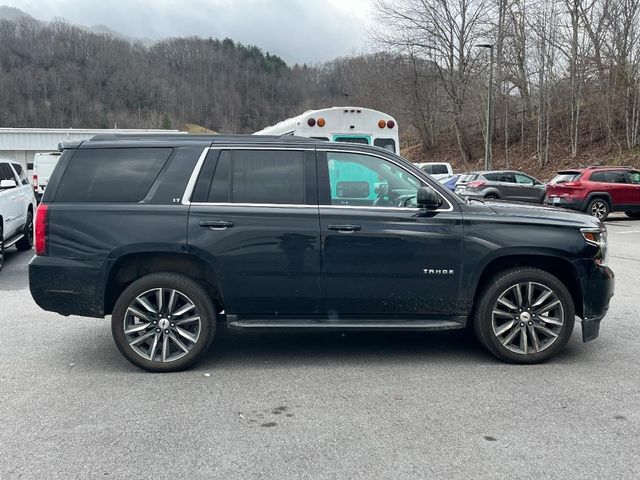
22,144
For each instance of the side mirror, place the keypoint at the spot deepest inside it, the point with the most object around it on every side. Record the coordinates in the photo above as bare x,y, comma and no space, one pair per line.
427,198
8,184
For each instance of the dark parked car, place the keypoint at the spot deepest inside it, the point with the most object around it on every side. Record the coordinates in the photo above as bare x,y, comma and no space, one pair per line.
503,185
175,236
597,191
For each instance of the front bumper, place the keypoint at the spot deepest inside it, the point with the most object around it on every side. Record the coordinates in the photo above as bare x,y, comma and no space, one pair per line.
598,285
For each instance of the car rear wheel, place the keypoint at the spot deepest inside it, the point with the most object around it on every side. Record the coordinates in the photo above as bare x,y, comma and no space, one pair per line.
26,242
634,215
525,315
491,196
163,322
598,208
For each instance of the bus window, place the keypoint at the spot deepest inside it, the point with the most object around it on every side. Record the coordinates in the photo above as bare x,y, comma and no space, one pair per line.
363,140
386,143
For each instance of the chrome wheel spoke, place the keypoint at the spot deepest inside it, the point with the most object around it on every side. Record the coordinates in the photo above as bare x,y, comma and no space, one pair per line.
160,299
548,307
141,338
137,328
518,294
505,328
178,342
549,333
145,303
187,320
186,334
524,346
535,342
184,309
541,299
551,320
510,337
507,303
154,346
529,293
165,348
139,314
172,302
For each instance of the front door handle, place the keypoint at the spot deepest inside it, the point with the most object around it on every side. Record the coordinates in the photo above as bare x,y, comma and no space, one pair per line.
344,228
216,224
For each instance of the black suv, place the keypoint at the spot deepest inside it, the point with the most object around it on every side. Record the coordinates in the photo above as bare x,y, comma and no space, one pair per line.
174,235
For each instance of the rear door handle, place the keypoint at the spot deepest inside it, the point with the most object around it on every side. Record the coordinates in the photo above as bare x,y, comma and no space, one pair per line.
216,224
344,228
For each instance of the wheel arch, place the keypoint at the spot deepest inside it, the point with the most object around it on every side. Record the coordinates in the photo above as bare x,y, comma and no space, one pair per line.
559,267
593,195
133,266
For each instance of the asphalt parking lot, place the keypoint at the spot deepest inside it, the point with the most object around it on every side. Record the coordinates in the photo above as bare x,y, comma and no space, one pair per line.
325,405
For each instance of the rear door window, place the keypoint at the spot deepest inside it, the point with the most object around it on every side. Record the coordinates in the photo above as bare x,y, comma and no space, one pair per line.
111,174
21,173
386,143
524,179
6,173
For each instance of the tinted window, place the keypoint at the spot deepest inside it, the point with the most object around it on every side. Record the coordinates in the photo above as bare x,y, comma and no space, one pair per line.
21,173
321,138
564,177
493,177
362,140
437,169
267,176
608,177
467,177
386,143
6,173
111,174
219,192
201,190
507,177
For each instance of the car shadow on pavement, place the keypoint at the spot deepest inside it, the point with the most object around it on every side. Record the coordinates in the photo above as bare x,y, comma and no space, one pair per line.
240,349
14,274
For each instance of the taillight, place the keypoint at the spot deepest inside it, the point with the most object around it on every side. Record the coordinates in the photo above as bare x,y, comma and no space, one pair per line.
35,182
576,184
382,123
321,122
311,122
391,124
476,184
42,229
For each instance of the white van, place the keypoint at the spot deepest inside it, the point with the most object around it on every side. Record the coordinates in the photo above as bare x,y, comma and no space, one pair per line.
43,165
438,170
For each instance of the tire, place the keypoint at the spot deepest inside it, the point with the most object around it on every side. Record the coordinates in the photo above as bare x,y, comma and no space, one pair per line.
634,215
26,242
184,344
599,208
491,196
502,333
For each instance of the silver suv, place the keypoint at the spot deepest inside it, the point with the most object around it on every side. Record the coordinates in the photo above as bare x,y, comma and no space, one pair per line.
504,185
17,207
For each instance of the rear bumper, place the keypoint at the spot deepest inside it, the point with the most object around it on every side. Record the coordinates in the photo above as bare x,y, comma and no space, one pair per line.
67,286
598,285
570,203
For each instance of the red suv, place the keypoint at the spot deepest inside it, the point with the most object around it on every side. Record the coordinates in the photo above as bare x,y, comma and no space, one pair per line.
597,191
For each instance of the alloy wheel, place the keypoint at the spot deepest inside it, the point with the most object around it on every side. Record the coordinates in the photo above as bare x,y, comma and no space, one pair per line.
527,318
162,325
598,209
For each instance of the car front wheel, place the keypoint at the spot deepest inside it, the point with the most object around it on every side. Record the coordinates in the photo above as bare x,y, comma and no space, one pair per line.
163,322
525,315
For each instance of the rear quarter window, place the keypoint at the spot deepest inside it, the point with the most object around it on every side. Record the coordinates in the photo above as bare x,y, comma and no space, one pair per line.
111,174
437,169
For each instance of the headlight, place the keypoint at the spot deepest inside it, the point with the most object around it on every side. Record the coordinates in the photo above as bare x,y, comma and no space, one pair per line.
598,238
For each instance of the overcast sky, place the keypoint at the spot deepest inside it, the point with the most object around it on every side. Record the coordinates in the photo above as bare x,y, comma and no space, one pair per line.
297,30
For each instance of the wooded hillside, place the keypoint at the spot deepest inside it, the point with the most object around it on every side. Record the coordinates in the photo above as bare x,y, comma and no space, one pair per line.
566,80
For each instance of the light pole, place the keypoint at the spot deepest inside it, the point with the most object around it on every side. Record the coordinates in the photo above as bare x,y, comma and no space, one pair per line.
487,139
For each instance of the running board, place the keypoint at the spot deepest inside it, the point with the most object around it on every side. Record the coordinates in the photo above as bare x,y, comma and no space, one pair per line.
13,241
376,325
